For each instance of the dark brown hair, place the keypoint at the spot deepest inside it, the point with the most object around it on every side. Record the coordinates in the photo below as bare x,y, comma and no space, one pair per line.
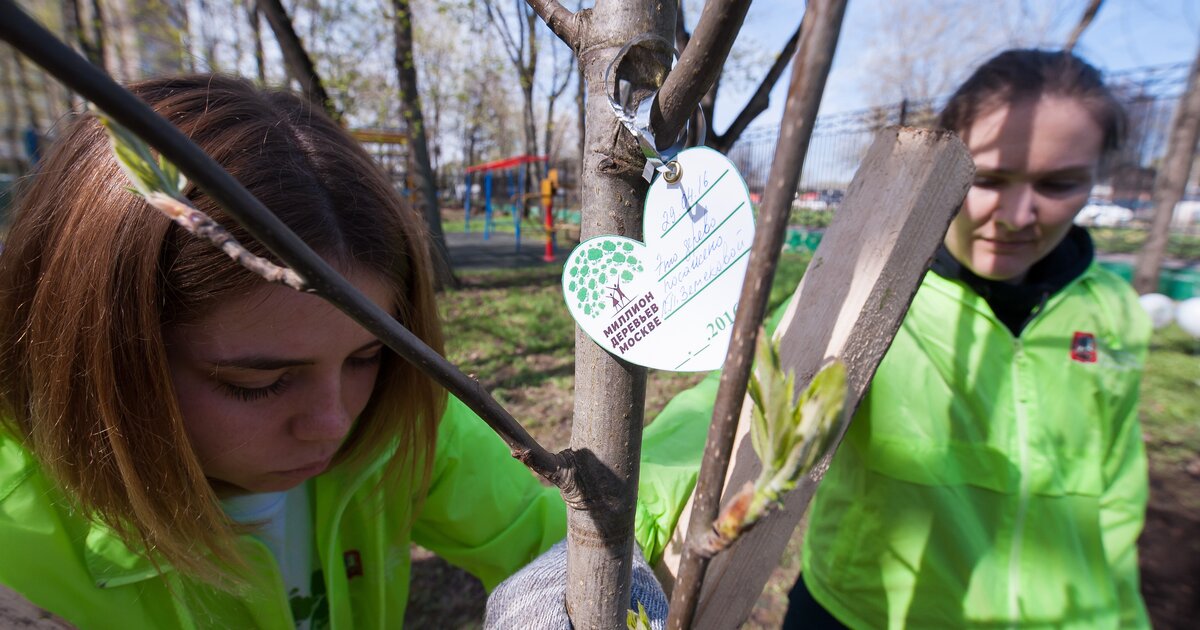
1027,74
90,275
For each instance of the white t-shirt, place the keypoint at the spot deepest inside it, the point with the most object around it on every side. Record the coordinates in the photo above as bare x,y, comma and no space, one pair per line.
284,522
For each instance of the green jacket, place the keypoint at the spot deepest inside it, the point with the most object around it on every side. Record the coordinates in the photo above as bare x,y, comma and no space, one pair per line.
989,480
484,512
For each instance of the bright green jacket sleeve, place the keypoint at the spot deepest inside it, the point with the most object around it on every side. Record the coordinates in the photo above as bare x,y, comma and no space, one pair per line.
485,511
672,449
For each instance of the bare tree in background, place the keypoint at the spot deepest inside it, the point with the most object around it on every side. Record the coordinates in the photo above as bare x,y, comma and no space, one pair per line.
84,22
12,108
560,79
759,101
519,34
299,64
414,121
1171,182
1089,14
260,65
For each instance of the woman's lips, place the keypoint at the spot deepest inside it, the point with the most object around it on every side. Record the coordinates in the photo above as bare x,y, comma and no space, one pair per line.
1007,245
311,470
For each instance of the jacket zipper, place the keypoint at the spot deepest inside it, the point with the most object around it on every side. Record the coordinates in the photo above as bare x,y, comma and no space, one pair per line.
1014,560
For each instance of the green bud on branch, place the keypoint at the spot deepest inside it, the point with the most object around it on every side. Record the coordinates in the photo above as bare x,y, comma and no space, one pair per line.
788,438
637,620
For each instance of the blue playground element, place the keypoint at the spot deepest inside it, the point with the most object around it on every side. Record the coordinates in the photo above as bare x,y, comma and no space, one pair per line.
513,173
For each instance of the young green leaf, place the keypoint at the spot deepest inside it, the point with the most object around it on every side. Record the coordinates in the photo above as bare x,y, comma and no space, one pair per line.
788,437
637,620
148,174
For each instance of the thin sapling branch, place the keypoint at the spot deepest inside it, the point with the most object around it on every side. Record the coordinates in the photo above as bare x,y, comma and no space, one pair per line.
788,438
161,184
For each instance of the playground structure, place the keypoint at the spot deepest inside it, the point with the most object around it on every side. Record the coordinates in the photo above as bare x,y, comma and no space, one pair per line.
389,147
511,173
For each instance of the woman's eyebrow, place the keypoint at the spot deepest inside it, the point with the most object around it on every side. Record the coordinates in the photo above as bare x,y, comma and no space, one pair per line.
266,363
1068,171
258,362
368,346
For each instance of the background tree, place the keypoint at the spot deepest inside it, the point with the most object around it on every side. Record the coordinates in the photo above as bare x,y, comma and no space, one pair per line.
414,120
1170,182
299,65
518,33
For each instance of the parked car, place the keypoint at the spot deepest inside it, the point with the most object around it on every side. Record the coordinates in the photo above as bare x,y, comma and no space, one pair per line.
1103,214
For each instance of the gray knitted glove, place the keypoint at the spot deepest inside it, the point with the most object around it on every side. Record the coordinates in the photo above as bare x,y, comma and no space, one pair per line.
534,598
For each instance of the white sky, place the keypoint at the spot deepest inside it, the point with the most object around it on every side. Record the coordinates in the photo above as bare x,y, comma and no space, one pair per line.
1126,34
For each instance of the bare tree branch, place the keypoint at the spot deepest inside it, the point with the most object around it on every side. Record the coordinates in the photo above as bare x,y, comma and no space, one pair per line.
821,25
761,99
1089,14
511,46
560,19
28,37
698,68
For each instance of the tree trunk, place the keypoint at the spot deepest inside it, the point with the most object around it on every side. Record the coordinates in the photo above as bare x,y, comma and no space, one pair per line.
33,116
1171,181
410,106
609,394
97,27
581,113
12,107
73,20
299,65
260,65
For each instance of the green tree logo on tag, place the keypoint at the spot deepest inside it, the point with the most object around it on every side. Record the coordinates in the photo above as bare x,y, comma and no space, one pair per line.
597,276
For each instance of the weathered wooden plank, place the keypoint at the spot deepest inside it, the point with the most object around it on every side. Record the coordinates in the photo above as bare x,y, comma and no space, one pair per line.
850,305
17,612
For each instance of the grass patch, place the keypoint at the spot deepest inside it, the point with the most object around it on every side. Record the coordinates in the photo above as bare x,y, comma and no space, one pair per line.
1170,408
511,329
1131,240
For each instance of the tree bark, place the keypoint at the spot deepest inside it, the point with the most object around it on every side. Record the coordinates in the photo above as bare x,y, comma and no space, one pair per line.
698,68
295,58
609,394
414,119
1171,181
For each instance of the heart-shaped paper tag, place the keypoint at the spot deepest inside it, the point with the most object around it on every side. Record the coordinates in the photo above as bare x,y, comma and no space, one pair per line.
669,303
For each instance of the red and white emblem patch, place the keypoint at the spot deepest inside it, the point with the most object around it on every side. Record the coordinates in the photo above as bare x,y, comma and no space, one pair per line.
1083,347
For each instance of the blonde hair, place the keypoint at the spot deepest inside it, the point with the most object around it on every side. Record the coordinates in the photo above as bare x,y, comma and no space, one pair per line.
90,275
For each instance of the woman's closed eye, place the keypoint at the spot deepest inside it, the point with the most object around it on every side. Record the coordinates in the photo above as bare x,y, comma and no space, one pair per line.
249,393
1056,187
367,359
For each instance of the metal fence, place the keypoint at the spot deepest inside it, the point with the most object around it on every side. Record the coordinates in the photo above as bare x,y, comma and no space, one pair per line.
840,141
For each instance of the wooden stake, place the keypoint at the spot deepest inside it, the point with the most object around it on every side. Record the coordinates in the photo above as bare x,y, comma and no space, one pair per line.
849,305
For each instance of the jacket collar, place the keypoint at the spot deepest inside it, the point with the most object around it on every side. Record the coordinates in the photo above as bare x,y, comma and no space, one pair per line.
1016,304
112,563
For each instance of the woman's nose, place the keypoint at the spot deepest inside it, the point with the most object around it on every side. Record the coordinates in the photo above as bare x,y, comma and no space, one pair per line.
1016,208
325,417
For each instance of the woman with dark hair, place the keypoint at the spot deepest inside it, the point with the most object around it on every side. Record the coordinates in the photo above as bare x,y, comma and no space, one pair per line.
185,445
994,476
